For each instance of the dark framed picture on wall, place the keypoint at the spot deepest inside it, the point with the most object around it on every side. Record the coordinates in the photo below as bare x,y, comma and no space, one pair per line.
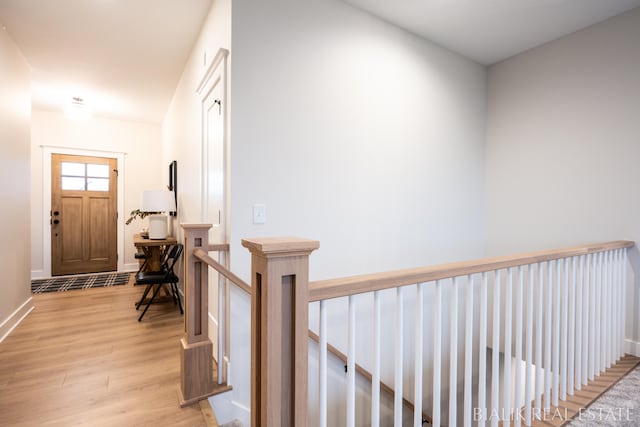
173,183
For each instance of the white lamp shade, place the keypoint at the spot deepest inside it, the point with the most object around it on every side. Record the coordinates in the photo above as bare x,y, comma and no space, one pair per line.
158,201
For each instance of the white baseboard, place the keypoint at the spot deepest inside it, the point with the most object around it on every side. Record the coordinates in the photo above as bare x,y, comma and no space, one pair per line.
632,347
10,323
130,267
37,274
227,409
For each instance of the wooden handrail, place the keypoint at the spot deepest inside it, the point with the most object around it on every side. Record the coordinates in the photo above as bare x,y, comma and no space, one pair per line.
218,247
204,257
336,288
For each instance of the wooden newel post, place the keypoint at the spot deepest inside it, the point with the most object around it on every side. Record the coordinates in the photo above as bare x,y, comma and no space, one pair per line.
196,355
279,330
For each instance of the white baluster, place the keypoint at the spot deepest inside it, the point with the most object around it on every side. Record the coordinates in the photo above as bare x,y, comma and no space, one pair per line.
604,302
453,352
564,284
598,309
222,326
592,315
586,331
437,350
417,411
351,364
482,359
528,390
518,335
548,336
624,292
397,402
539,325
556,334
508,299
572,328
621,297
468,355
611,317
616,305
579,320
495,352
375,381
322,357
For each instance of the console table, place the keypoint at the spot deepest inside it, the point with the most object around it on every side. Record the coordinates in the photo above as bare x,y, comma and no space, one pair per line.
154,250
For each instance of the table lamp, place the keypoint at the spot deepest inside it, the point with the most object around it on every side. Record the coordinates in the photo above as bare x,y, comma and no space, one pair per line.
156,202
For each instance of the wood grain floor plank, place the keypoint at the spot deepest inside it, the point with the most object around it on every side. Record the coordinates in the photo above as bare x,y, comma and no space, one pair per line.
81,358
563,414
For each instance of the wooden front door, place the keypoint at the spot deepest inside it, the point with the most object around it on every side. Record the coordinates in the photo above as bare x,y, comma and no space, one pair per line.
83,214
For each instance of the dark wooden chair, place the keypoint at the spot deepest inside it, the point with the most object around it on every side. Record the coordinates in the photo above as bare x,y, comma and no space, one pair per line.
166,276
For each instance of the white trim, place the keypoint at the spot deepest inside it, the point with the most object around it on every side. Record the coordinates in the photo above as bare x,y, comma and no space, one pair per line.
222,54
227,364
37,274
48,151
216,73
88,150
213,319
11,322
632,347
133,266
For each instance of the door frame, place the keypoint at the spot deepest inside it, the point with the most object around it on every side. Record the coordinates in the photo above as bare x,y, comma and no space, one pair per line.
214,76
48,150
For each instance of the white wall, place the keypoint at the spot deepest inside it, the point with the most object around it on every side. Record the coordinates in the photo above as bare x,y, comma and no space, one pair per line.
143,169
357,134
181,131
15,111
563,145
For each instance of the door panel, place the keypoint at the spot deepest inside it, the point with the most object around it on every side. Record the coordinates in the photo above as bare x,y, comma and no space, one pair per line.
83,214
99,248
70,233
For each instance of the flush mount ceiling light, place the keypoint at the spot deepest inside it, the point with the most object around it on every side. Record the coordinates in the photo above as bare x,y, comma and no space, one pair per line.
77,109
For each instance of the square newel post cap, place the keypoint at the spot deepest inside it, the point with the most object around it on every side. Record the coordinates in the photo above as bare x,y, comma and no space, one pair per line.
269,247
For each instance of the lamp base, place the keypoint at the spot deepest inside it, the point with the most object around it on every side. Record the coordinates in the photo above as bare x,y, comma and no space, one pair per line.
158,227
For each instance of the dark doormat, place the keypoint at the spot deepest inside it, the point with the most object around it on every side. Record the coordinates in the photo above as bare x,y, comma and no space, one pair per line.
57,284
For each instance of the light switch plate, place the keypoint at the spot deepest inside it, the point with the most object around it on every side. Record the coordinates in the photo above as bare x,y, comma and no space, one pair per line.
259,213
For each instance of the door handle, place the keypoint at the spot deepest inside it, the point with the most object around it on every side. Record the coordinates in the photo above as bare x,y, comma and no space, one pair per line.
55,221
56,213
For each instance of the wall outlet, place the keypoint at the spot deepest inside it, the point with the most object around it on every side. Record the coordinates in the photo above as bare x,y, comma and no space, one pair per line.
259,214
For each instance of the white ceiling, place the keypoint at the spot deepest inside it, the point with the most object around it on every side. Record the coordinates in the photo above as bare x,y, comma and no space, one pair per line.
125,57
489,31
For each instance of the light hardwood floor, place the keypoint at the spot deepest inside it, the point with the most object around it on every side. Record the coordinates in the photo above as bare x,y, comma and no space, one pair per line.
82,358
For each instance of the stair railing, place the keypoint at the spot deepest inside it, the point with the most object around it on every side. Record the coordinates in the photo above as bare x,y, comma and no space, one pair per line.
575,296
559,314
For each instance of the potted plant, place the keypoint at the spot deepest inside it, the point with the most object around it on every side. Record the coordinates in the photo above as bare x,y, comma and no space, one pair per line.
137,213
